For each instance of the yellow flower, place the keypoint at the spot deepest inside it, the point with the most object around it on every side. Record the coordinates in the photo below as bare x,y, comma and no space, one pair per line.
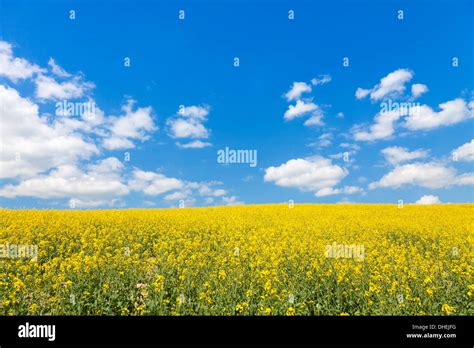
33,308
447,309
344,314
189,251
18,285
140,309
222,275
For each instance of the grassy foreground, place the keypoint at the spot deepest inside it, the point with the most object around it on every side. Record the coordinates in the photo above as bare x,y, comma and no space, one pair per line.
248,260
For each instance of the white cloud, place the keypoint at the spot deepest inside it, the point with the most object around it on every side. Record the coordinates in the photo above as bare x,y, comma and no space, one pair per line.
354,147
324,140
56,69
232,200
207,190
429,175
392,84
300,109
133,125
383,127
152,183
116,143
188,123
297,90
48,88
428,199
418,89
321,80
465,152
396,154
196,144
29,145
329,191
316,119
100,184
181,128
423,117
193,111
418,117
362,93
464,179
311,174
178,195
15,68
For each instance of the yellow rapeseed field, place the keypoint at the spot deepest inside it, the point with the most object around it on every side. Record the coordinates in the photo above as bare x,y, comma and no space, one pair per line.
246,260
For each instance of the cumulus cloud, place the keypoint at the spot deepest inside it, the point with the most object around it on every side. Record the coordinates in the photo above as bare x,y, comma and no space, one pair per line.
316,118
429,175
188,123
305,106
297,90
300,109
193,111
329,191
418,117
178,195
56,69
132,125
311,174
321,80
196,144
396,154
383,128
428,199
324,140
152,183
423,117
418,89
181,128
15,68
100,184
232,200
29,144
465,179
362,93
392,84
48,88
464,152
206,189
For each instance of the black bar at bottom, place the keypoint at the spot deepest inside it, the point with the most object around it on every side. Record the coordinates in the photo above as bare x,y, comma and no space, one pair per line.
290,331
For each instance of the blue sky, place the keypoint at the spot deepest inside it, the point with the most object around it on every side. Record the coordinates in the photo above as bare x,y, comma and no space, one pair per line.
422,154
